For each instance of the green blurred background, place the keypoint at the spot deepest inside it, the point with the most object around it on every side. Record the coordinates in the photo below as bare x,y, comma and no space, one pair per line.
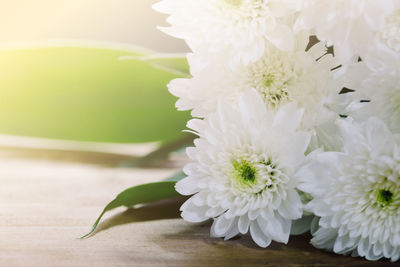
71,70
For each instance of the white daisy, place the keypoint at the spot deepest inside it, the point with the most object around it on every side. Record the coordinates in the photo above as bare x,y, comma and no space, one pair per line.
381,87
356,193
242,170
351,26
279,76
241,27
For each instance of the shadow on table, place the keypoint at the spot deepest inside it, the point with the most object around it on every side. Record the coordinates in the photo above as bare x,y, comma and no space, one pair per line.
165,209
196,245
81,157
86,157
192,243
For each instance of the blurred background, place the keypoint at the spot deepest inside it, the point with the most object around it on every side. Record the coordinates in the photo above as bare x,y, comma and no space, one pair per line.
84,114
85,74
129,22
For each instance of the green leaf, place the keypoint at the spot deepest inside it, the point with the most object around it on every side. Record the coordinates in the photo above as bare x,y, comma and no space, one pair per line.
314,225
301,225
88,94
173,63
176,177
140,194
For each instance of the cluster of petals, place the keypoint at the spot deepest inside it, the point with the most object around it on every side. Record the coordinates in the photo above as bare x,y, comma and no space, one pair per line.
280,140
240,27
377,92
356,192
242,170
279,76
353,27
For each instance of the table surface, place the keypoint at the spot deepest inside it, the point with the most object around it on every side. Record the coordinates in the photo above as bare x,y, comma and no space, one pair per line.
49,198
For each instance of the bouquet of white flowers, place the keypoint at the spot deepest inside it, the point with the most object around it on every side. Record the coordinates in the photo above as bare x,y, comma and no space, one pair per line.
297,106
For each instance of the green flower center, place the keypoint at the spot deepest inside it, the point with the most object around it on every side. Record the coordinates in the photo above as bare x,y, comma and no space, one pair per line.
384,197
269,79
273,85
245,171
255,174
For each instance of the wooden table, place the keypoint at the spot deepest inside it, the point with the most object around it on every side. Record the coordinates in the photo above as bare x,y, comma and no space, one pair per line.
49,198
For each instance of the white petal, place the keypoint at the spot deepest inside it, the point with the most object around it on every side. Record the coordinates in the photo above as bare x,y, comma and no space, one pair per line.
289,116
291,208
193,213
258,236
282,37
324,238
221,226
243,224
187,186
233,231
276,228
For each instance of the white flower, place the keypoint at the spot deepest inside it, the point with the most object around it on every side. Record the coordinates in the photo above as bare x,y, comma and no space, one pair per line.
352,26
381,87
390,34
241,27
357,192
242,170
279,76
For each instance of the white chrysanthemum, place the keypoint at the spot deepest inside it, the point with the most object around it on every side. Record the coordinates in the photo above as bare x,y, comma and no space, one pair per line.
352,26
381,87
390,34
240,26
242,170
279,76
356,192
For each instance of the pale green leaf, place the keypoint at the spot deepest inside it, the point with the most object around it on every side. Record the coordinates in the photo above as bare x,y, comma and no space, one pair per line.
176,177
139,194
173,63
301,225
87,94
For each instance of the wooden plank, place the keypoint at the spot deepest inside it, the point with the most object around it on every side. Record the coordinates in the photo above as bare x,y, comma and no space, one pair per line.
46,205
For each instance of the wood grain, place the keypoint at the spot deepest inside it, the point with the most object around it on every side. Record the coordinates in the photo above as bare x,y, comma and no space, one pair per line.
46,205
